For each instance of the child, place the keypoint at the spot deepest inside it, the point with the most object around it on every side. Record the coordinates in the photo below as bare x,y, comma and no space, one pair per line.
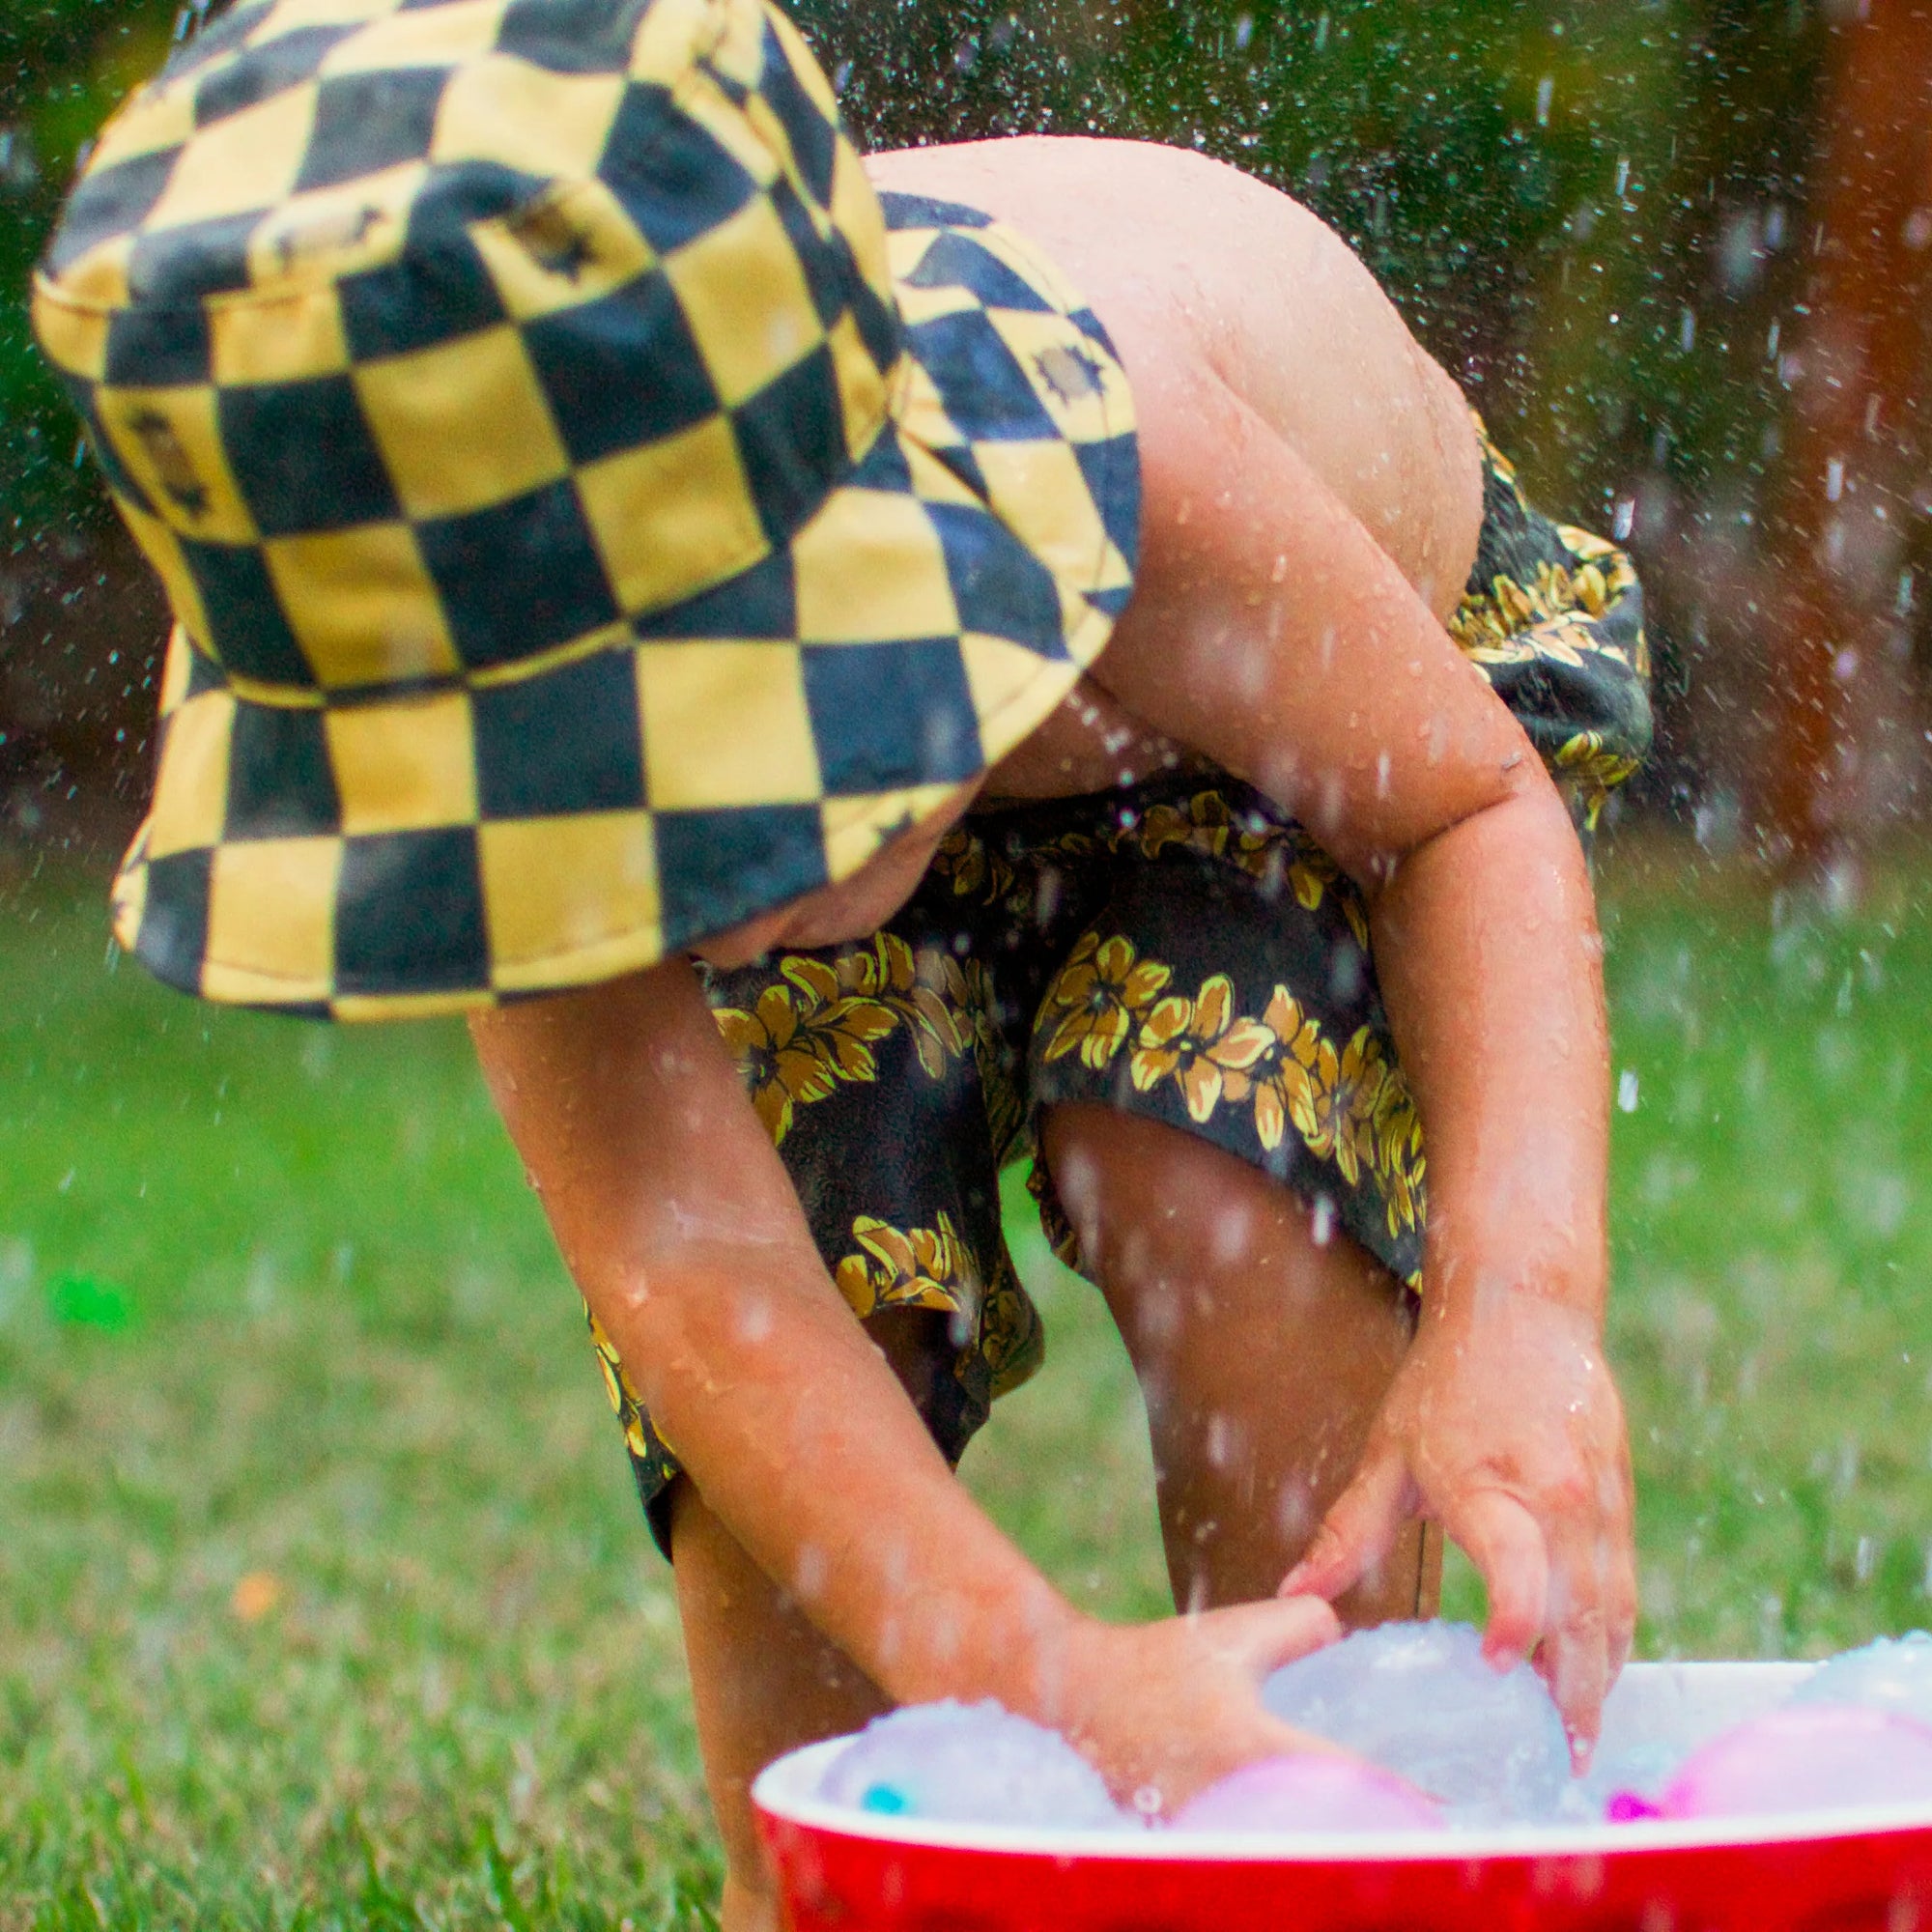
596,539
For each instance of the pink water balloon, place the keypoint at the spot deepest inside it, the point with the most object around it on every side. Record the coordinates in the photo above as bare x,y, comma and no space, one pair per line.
1805,1757
1309,1793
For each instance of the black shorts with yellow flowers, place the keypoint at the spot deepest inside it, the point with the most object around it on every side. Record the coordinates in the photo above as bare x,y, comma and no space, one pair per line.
1179,949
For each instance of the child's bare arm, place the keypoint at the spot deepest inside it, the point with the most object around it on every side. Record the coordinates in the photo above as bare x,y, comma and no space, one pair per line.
1272,632
677,1220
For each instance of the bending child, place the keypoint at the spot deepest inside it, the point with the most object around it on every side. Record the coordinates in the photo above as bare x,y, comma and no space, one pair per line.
600,533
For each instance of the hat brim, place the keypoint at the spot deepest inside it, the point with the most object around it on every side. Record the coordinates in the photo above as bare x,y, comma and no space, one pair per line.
501,837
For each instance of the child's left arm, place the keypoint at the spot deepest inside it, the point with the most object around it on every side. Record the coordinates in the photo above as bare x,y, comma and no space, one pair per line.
1272,632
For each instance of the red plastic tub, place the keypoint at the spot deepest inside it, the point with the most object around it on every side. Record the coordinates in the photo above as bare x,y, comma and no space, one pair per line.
1869,1870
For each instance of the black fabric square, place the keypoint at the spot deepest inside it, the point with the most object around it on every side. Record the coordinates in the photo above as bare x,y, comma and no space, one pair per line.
984,389
673,179
830,273
259,72
566,742
1113,473
621,371
921,211
958,261
279,780
964,465
173,939
204,676
368,121
1000,587
814,145
219,36
304,457
111,201
883,466
884,716
716,869
571,36
162,348
247,626
440,290
878,322
199,257
761,602
518,578
408,914
791,438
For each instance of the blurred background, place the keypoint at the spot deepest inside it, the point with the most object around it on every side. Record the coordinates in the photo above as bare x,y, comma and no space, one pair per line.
322,1599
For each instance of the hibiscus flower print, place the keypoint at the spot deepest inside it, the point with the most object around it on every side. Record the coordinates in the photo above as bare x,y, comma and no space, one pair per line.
1101,995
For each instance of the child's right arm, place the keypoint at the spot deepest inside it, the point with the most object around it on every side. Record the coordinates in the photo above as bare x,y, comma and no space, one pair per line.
1272,632
680,1226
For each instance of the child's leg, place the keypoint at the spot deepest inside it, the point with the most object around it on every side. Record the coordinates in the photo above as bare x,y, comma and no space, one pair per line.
763,1681
1263,1354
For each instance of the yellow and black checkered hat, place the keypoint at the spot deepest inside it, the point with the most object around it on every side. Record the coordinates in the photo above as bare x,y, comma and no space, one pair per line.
592,518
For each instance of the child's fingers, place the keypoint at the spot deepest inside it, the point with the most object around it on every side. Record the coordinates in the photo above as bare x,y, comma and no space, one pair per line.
1260,1637
1358,1531
1504,1541
1592,1609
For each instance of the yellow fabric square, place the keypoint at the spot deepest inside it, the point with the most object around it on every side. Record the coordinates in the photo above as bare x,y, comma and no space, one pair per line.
153,119
860,217
744,295
929,305
674,35
362,605
725,723
289,15
868,569
158,546
1013,689
191,808
855,828
562,120
936,482
272,919
738,51
74,338
404,767
1084,389
426,37
331,231
241,162
861,390
673,518
581,889
462,427
129,897
176,667
170,443
711,108
99,276
1038,492
571,246
278,338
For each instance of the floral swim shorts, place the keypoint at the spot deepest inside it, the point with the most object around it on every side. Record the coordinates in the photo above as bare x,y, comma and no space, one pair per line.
1179,949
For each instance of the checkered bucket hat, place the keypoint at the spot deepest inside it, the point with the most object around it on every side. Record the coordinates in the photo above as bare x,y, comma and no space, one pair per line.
591,516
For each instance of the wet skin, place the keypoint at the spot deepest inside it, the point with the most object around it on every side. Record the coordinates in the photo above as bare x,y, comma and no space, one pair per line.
1311,510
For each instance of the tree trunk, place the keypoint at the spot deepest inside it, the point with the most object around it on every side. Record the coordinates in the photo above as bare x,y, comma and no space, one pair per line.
1854,443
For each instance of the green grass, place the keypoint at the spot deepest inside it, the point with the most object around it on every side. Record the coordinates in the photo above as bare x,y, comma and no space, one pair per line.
274,1306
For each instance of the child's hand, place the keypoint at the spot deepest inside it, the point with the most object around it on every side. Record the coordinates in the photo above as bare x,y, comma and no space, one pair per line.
1506,1427
1164,1709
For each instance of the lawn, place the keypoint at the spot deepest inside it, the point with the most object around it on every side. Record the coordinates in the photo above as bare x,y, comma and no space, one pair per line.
323,1598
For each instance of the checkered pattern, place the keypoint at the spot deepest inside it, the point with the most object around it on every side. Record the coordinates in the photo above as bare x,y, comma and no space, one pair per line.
588,522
